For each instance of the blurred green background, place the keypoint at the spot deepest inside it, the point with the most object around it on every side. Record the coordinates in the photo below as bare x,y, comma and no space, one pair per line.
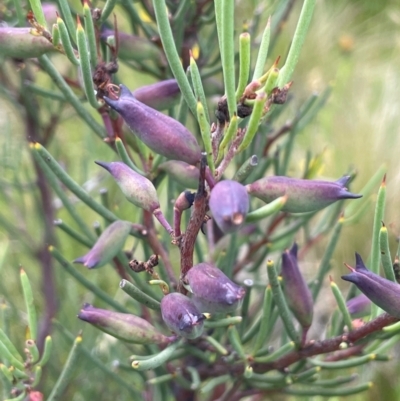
352,46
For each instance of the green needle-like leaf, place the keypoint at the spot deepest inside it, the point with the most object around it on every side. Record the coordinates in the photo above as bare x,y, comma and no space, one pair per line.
30,305
86,71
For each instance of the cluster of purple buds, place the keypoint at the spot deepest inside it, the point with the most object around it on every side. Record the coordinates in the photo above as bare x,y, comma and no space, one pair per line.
212,291
162,134
182,316
302,195
229,204
297,292
107,246
382,292
124,326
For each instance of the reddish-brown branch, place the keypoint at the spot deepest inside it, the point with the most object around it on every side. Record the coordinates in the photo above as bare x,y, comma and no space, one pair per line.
311,349
195,222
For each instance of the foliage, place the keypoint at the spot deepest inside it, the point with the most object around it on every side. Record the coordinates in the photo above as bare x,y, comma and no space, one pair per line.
209,144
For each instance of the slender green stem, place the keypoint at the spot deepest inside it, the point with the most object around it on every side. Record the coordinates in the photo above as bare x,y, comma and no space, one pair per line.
20,12
107,10
125,157
206,135
262,51
36,7
214,382
67,17
378,218
55,33
229,135
97,362
221,349
227,50
30,305
67,372
91,35
71,184
325,262
254,121
265,320
10,346
198,88
385,254
85,282
348,363
48,346
156,360
66,42
6,355
51,178
297,42
375,246
139,295
174,61
236,342
246,168
290,346
45,92
212,324
266,210
342,305
281,303
244,64
86,71
328,392
75,102
75,234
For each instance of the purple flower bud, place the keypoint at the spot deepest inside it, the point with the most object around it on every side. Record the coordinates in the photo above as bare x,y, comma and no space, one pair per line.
382,292
297,292
229,204
303,195
212,290
124,326
22,43
107,246
184,173
181,315
137,189
359,305
160,133
159,96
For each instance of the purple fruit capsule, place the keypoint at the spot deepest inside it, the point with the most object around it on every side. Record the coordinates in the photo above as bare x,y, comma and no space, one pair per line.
124,326
297,292
229,204
181,172
302,195
359,305
107,246
162,134
138,189
159,96
181,315
213,291
382,292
